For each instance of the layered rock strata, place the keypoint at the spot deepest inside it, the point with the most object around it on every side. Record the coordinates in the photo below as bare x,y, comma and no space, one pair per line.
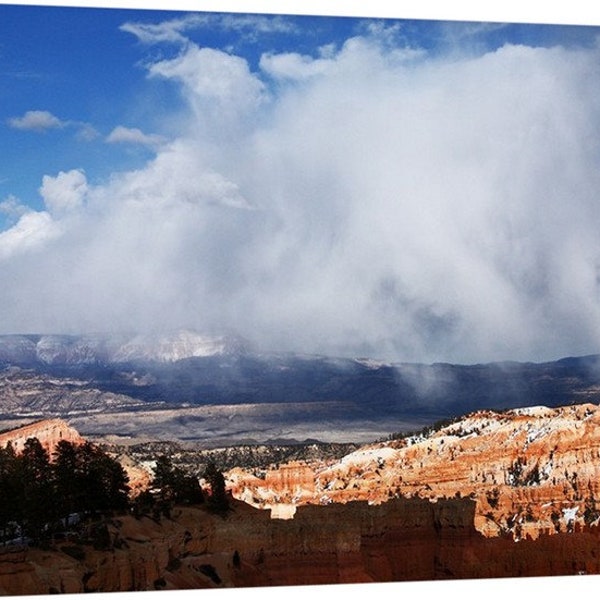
401,540
531,471
49,432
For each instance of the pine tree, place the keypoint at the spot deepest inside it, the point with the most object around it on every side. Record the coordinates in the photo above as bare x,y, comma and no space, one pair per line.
175,487
217,501
164,477
68,478
105,483
9,484
39,506
36,493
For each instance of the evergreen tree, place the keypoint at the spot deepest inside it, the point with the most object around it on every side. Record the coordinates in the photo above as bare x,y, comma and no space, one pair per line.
104,481
217,500
164,477
189,491
35,493
142,504
9,484
68,478
39,507
174,486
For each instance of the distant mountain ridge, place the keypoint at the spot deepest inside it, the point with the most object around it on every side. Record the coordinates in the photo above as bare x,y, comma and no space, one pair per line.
92,349
220,388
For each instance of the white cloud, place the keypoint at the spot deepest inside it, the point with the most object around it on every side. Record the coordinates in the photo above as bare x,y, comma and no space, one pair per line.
220,87
42,121
176,179
292,65
165,32
65,192
86,132
12,207
173,30
256,25
32,230
36,120
132,135
429,210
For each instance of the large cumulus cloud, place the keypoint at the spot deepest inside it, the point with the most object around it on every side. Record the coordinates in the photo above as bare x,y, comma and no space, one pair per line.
362,201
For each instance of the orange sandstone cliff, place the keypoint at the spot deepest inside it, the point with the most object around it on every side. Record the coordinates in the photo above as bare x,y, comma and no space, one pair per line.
491,495
400,540
530,471
48,431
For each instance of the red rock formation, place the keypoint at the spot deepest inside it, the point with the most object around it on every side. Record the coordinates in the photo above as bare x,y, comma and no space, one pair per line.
531,471
49,432
292,483
400,540
492,495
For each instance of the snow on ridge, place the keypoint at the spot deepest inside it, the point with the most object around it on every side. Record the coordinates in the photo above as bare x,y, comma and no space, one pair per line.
52,349
174,347
371,363
533,411
367,455
363,457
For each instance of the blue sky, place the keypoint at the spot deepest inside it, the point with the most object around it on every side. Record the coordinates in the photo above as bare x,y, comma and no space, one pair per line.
85,67
403,189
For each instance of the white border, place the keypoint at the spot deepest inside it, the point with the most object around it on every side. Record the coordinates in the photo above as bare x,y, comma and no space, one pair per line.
574,12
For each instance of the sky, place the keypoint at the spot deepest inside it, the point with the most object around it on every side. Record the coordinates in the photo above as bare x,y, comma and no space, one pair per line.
404,189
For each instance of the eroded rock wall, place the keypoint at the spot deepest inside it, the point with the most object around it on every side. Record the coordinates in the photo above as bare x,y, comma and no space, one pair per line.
48,431
532,471
401,540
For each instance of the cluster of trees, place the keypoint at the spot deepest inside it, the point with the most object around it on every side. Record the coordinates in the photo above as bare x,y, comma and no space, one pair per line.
250,456
171,485
42,494
39,494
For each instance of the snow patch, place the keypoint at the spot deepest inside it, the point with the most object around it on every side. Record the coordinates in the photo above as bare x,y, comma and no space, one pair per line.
532,411
174,347
371,363
369,455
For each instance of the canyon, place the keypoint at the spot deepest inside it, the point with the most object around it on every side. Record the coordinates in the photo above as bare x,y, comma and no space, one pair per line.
489,495
400,540
530,472
464,480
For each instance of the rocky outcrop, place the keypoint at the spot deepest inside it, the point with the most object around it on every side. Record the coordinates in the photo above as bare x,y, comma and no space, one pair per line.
289,484
49,432
350,543
491,495
531,471
400,540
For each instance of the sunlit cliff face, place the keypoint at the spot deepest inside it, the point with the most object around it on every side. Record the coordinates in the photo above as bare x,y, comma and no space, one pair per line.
49,432
531,471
